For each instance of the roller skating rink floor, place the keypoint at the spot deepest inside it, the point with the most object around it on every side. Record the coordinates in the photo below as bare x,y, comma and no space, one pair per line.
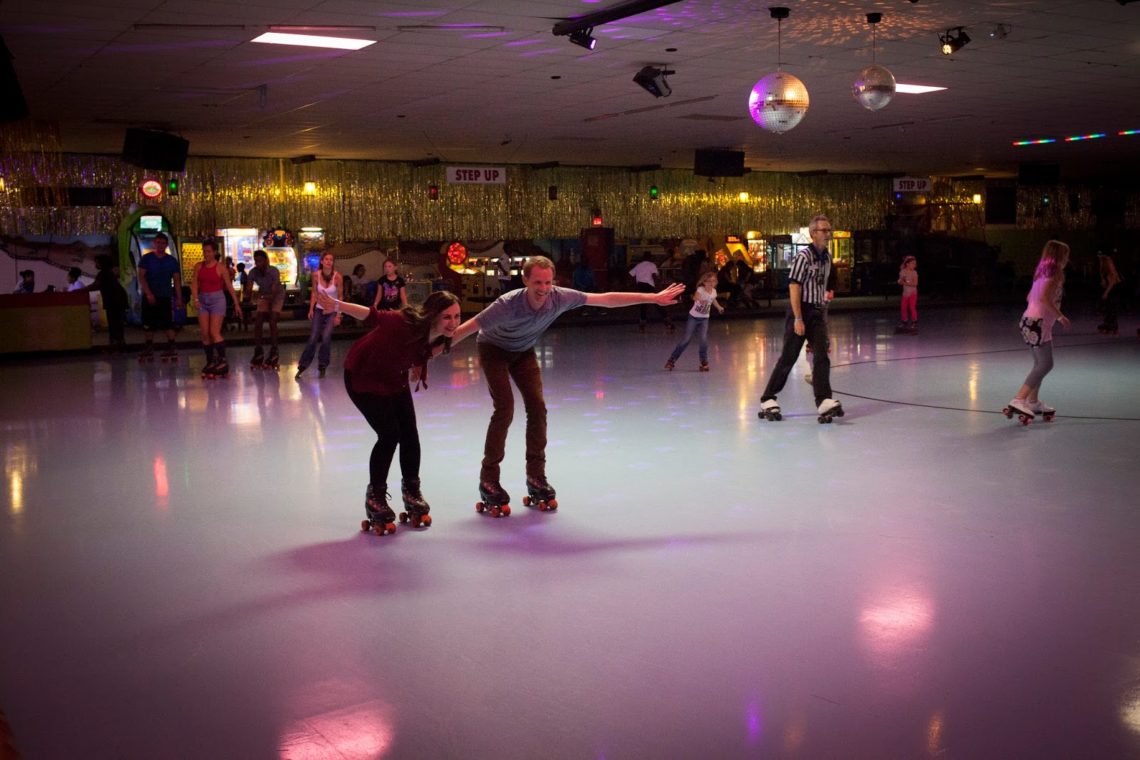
182,572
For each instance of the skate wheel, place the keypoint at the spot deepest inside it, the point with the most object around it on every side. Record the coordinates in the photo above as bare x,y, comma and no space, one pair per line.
479,507
1049,417
389,528
378,529
552,505
1024,419
426,522
365,526
839,412
496,511
1008,412
403,517
527,501
504,511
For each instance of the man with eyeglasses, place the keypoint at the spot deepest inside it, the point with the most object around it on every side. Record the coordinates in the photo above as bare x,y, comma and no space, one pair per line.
807,297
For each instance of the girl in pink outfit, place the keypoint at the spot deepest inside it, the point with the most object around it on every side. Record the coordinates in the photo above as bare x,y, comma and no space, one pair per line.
1043,311
908,278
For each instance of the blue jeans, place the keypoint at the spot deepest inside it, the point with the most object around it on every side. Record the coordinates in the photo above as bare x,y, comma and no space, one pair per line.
698,325
321,331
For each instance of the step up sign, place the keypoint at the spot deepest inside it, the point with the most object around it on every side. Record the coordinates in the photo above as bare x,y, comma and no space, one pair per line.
476,175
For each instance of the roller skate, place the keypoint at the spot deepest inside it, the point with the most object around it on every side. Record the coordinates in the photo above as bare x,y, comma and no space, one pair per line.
221,368
495,500
901,328
669,365
540,494
146,356
416,509
300,371
770,410
321,370
704,366
1047,412
828,410
272,361
912,328
380,519
258,360
169,354
1021,408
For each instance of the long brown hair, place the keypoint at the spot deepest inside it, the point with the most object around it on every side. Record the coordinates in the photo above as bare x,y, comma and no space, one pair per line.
1054,256
421,318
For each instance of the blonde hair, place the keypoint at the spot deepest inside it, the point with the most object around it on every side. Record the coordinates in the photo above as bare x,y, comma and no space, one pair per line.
537,261
1054,256
711,274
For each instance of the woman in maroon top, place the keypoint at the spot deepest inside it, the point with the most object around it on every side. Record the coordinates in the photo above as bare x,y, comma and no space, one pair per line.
376,377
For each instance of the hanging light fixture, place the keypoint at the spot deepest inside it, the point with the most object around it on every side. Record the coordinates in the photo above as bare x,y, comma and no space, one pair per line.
779,101
875,85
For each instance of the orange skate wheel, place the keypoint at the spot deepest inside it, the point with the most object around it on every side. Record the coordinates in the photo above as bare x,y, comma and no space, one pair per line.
479,507
378,529
526,501
506,510
496,511
390,528
427,520
365,526
552,504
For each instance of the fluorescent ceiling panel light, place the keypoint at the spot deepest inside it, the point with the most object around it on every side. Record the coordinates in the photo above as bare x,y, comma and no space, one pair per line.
916,89
313,40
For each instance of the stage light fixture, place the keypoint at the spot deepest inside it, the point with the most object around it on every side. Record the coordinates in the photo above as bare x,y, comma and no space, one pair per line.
172,186
654,193
954,40
584,38
652,80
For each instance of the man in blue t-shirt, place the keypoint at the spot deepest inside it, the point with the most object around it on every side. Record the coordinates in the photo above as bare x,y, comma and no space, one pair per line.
508,330
160,279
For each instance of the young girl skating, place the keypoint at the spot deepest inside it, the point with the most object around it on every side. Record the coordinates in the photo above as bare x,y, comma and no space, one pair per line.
704,299
1037,328
908,278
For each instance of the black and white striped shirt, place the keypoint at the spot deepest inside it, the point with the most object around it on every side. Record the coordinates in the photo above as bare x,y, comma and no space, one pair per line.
810,268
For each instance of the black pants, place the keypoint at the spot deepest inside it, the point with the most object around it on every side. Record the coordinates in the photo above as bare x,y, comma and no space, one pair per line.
393,418
815,332
115,321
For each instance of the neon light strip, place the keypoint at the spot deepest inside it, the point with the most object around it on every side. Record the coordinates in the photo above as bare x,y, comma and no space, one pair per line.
1128,132
1078,138
1042,141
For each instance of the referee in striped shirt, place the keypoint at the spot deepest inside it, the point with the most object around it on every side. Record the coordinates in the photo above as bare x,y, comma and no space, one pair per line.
807,297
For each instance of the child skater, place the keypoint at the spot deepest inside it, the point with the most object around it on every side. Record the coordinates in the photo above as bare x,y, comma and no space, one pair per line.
908,278
704,299
1037,327
376,378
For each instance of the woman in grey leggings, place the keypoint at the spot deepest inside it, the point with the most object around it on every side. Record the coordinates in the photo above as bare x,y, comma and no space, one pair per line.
1043,311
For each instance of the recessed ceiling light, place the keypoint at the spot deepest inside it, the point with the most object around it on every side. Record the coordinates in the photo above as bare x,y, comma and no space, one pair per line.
313,40
916,89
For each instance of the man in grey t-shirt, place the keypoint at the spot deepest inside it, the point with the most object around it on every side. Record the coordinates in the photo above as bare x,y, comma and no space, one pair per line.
508,330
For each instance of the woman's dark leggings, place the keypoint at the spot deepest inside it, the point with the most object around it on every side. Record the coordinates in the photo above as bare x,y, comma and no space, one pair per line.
393,418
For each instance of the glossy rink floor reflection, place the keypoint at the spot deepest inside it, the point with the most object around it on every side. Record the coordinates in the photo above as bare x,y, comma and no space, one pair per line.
181,572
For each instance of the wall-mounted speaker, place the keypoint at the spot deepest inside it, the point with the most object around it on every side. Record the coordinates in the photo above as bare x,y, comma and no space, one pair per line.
152,149
717,162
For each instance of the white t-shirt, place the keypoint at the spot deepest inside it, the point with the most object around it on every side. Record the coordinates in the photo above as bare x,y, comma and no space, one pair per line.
702,303
644,272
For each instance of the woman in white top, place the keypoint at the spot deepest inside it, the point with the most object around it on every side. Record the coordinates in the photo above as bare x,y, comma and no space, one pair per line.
328,281
1043,311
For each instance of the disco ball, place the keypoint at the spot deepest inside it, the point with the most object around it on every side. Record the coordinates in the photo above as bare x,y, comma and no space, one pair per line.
874,87
778,102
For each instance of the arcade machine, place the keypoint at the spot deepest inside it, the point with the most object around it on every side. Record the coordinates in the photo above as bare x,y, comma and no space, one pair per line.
238,244
842,260
278,243
473,274
311,243
136,238
191,253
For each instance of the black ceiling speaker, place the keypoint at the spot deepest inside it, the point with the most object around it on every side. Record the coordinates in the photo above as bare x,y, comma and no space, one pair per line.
652,80
13,107
152,149
717,162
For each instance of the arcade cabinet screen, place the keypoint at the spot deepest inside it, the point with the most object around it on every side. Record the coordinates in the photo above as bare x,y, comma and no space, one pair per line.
312,262
153,223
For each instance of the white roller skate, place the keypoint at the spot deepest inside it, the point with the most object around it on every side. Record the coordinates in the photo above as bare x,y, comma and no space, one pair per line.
770,410
1039,407
828,410
1021,408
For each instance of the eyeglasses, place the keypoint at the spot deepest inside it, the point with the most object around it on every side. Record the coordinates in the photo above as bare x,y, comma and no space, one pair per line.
825,230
